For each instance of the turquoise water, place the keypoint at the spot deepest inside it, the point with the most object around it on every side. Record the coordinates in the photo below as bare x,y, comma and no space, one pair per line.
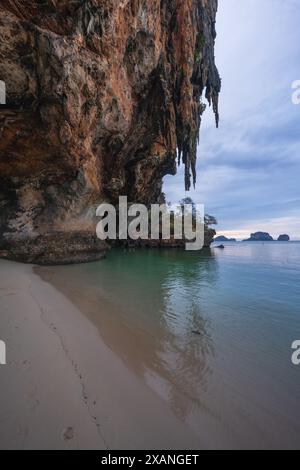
210,333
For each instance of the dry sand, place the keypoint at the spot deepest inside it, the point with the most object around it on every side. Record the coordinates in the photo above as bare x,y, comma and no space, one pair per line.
62,387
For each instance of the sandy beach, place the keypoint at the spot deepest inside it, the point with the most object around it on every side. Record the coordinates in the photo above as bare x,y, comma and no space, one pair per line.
140,351
62,387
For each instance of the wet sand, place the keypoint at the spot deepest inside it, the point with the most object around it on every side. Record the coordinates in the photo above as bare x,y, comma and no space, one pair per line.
62,387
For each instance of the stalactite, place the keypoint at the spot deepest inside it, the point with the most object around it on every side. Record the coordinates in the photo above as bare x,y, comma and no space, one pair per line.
205,79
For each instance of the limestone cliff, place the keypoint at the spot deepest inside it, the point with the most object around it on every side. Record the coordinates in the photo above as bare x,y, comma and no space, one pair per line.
101,97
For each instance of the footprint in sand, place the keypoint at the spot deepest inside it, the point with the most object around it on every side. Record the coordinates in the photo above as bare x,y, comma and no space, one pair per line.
68,434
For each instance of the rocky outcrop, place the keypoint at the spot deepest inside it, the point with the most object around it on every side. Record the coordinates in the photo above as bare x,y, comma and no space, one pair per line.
221,238
101,94
172,242
283,238
260,237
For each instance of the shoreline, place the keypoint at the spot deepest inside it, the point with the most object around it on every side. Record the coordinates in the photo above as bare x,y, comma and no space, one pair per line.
60,372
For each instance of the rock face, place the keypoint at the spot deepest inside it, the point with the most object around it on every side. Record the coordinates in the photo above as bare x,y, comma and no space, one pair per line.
284,238
100,96
260,237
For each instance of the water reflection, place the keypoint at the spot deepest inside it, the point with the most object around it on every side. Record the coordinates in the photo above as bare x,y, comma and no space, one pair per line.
148,308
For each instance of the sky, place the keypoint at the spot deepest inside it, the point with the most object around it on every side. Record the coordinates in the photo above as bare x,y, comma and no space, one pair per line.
249,169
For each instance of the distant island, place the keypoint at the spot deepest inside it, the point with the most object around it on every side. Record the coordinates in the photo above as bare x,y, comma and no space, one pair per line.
260,237
266,237
221,238
283,238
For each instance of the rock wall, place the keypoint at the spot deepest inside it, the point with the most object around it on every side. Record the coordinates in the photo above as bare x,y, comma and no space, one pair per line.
101,94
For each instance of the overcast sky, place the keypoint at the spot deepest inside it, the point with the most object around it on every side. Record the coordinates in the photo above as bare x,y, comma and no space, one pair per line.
249,169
